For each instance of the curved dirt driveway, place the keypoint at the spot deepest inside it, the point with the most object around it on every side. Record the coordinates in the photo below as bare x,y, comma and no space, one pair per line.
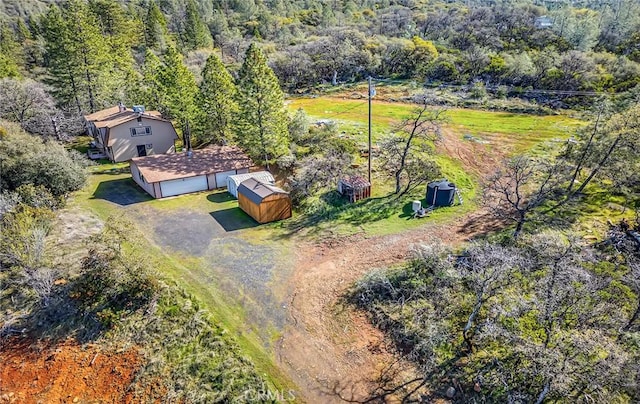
331,351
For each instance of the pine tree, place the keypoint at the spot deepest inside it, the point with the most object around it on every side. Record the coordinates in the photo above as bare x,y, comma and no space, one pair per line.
62,68
155,27
179,90
119,35
195,34
90,51
261,122
217,100
151,94
79,60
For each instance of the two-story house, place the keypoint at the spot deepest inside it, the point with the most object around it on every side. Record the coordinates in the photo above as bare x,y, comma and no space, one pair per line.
121,133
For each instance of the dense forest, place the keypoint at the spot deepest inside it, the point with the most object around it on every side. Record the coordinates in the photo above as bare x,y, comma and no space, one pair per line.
92,53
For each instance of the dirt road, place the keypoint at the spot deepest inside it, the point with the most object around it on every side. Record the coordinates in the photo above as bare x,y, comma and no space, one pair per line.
331,351
328,349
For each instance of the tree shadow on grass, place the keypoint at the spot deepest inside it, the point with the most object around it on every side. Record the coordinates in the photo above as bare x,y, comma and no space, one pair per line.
220,197
339,211
233,219
122,192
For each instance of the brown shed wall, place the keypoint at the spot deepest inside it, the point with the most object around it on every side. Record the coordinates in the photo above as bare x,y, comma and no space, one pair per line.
249,207
272,208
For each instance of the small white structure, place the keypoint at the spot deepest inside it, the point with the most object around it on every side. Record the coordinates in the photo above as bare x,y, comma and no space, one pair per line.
234,181
416,206
543,22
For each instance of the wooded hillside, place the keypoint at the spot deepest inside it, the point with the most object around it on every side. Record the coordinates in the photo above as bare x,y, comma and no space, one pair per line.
591,46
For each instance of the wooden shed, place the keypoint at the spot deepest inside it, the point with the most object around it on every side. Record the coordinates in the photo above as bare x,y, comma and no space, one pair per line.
354,188
263,202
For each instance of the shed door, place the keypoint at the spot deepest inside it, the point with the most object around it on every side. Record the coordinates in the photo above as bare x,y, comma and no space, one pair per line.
183,185
221,178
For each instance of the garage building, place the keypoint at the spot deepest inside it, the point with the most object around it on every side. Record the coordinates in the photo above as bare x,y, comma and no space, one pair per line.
263,202
164,175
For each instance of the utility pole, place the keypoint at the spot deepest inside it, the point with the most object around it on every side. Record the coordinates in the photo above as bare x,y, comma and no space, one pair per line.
369,155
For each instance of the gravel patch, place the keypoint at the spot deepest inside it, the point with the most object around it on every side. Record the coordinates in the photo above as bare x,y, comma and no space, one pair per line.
185,231
249,271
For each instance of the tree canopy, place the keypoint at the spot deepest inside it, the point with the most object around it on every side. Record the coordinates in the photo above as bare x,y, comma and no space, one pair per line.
261,121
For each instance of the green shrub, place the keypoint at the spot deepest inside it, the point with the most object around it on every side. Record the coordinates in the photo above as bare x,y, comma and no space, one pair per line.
38,196
26,159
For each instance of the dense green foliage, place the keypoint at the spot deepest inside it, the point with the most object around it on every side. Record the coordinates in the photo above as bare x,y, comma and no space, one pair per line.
178,89
549,318
9,52
155,27
195,34
26,159
217,100
88,54
261,120
507,46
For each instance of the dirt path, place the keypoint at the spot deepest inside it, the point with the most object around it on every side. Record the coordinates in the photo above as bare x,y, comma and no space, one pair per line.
331,351
328,348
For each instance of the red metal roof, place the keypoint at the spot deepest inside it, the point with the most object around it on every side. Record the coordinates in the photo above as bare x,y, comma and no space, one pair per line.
213,159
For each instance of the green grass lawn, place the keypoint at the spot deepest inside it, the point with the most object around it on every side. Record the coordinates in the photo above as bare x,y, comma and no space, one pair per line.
112,182
385,215
521,130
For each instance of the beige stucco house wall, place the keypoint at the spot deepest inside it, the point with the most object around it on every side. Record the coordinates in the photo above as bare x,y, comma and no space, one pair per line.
157,137
122,133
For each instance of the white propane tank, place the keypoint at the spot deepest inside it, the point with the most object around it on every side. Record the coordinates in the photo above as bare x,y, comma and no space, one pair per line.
416,206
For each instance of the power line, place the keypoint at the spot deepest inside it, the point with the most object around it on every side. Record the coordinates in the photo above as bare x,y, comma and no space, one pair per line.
348,109
510,89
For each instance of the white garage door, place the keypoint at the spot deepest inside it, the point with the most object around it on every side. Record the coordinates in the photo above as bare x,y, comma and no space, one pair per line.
183,186
221,178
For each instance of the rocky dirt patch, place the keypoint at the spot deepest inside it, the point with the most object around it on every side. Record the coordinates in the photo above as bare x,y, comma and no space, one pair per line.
32,372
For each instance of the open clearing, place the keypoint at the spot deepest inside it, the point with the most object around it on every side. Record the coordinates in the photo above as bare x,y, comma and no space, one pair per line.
498,129
278,287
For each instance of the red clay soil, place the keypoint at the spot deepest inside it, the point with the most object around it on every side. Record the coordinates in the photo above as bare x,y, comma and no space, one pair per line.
32,372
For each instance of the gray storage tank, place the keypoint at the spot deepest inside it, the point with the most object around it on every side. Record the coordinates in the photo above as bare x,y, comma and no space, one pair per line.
440,193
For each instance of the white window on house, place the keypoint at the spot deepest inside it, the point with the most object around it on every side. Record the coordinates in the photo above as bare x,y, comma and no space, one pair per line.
149,146
141,131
